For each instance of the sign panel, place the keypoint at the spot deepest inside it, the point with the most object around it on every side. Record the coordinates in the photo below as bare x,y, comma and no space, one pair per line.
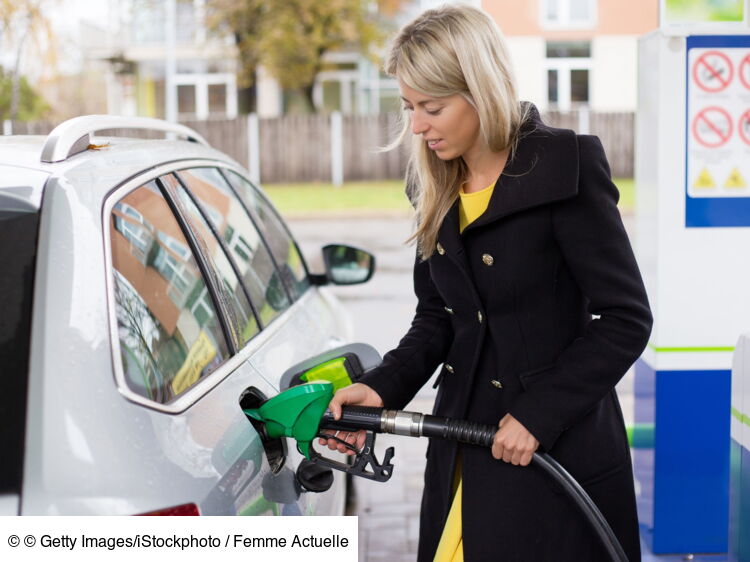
681,12
717,131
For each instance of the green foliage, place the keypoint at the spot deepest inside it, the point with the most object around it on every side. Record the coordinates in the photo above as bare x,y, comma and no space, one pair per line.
290,37
31,106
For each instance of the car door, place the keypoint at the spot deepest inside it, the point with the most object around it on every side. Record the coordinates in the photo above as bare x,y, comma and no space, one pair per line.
268,260
185,331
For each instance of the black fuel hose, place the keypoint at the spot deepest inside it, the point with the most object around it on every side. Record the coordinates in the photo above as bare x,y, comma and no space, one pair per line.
413,424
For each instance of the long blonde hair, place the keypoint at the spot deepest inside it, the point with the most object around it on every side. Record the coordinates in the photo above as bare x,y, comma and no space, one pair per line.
453,49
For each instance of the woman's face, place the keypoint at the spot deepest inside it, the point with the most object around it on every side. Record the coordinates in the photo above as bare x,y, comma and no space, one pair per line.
449,126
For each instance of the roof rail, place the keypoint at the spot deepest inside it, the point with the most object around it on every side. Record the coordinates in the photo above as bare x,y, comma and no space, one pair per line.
72,136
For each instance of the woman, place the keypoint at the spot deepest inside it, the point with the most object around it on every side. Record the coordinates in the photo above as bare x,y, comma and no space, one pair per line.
519,243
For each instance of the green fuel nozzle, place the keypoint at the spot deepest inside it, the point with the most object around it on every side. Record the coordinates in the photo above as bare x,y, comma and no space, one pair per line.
295,413
300,413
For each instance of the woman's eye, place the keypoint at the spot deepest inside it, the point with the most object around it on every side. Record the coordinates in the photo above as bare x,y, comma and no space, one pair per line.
405,108
434,111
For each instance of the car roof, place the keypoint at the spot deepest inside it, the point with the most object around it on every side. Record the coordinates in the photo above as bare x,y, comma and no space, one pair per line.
23,174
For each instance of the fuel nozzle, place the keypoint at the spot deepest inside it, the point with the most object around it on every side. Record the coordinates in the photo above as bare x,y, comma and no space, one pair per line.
300,413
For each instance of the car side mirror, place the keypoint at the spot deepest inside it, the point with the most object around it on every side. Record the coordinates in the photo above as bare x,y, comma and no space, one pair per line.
347,265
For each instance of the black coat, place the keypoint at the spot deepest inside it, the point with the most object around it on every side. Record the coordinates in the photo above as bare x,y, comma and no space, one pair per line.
507,307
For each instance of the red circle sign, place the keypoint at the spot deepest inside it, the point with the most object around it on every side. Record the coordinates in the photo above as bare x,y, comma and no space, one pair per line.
743,127
744,71
712,127
713,71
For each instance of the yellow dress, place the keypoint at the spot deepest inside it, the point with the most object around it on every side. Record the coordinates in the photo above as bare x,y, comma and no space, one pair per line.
451,547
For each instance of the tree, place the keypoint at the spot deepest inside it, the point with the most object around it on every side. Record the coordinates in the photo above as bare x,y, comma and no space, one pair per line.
19,21
29,105
244,20
291,37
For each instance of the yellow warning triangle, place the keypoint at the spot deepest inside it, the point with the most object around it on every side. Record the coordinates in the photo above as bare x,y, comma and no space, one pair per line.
735,179
704,180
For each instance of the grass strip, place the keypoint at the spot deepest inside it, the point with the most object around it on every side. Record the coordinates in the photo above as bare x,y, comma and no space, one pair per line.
373,197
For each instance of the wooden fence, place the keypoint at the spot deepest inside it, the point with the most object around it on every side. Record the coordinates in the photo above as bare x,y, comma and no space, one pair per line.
297,148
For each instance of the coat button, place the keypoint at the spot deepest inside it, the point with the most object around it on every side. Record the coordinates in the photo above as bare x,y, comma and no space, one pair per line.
440,249
488,259
479,316
448,310
496,384
449,368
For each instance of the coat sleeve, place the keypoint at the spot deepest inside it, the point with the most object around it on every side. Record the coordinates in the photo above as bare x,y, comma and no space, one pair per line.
595,246
405,369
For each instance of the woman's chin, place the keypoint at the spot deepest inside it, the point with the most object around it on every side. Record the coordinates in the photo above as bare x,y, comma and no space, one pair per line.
446,154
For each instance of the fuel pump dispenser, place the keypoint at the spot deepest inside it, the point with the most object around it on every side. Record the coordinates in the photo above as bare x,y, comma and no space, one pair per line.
693,231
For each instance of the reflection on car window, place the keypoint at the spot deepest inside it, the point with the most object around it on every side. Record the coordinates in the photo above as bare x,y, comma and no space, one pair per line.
169,332
245,244
238,305
282,245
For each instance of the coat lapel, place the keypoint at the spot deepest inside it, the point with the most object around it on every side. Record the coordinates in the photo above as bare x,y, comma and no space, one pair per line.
543,169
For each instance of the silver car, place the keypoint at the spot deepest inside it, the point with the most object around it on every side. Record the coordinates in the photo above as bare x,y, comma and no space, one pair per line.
147,289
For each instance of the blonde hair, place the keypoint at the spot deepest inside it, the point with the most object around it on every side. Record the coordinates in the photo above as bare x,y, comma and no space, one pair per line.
453,49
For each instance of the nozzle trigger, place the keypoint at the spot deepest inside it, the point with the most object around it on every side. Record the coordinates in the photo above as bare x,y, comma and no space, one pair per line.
362,460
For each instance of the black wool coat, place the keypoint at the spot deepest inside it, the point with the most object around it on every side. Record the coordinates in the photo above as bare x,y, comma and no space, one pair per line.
537,309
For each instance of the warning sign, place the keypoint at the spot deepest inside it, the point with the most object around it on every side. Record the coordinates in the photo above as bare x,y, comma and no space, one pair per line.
717,128
735,180
712,127
704,181
713,71
743,127
744,72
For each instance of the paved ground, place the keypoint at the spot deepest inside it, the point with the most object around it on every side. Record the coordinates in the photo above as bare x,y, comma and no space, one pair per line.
382,310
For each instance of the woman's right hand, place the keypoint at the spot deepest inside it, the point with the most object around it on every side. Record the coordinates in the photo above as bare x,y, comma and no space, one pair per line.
356,394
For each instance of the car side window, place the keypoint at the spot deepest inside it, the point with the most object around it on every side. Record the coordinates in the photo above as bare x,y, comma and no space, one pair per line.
245,245
284,249
169,331
237,305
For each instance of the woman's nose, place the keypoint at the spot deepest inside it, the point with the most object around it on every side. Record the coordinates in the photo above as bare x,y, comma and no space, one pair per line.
418,124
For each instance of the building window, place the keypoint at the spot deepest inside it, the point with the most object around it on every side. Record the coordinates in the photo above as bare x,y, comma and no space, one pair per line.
568,73
568,14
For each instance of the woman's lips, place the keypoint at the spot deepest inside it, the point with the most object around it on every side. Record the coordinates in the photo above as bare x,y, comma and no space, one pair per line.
435,144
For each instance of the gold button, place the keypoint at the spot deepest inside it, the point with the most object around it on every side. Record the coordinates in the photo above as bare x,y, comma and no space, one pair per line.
448,368
440,249
488,259
448,310
496,384
479,316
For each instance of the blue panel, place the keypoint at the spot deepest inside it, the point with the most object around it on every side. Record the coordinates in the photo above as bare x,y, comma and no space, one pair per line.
644,388
712,211
691,479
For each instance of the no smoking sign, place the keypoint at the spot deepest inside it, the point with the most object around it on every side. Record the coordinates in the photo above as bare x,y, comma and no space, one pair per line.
713,71
744,71
712,127
744,127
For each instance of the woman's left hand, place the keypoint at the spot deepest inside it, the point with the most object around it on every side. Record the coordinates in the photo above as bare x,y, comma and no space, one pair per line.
513,443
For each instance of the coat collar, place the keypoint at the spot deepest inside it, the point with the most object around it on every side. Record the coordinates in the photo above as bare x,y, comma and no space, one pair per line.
543,169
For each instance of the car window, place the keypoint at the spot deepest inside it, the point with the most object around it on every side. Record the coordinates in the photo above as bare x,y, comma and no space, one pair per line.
248,251
169,331
238,305
282,245
19,224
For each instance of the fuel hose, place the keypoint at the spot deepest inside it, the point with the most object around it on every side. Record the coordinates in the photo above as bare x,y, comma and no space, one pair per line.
414,424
